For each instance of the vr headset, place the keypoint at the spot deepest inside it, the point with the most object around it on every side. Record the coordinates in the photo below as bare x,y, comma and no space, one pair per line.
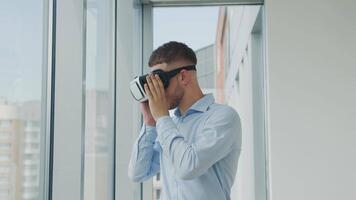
137,85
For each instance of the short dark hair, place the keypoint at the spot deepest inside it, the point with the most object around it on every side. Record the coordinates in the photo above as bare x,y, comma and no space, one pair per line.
170,52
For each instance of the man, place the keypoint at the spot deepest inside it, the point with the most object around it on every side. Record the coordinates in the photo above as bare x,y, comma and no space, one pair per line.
197,149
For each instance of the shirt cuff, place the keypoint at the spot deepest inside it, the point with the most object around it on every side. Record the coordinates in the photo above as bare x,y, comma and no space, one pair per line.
166,130
148,133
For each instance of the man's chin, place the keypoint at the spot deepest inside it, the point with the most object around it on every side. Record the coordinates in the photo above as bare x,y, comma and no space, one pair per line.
171,107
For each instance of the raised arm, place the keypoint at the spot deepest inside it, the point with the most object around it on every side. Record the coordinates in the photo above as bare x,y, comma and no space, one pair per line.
144,161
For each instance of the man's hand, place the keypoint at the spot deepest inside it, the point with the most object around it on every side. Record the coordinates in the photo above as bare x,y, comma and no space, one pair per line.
156,96
146,113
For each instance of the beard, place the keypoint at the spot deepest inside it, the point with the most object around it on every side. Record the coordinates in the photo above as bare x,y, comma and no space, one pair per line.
173,105
175,98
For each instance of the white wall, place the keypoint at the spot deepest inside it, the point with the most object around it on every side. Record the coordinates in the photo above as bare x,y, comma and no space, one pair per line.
246,96
312,94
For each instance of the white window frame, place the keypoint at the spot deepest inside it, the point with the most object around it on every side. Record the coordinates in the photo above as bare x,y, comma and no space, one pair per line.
66,180
161,3
129,62
47,125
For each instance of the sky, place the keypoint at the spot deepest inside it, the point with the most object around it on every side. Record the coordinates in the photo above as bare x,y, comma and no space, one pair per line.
195,26
22,43
21,49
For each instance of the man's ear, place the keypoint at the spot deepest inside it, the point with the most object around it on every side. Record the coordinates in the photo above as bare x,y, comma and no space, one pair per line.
185,77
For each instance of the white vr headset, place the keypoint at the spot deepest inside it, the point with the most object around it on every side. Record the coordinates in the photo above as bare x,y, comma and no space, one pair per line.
137,85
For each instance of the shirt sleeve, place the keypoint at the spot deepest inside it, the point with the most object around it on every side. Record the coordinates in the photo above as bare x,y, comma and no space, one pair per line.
216,140
144,161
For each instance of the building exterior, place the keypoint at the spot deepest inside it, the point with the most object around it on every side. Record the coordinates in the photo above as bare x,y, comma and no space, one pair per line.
239,81
10,179
30,148
206,68
20,137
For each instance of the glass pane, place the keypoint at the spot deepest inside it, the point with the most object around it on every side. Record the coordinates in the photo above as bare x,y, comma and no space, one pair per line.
99,109
227,41
21,100
196,27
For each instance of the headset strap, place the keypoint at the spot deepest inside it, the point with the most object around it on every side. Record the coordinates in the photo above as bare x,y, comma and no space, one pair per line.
176,71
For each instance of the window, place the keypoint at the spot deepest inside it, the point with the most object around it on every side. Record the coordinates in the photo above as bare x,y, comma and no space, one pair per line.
5,123
196,27
4,169
5,135
219,36
5,147
22,79
99,101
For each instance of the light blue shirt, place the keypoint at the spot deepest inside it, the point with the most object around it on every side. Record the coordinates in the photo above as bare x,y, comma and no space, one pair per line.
196,154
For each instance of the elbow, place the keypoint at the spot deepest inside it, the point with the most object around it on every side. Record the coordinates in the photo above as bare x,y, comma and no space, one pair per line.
134,176
135,179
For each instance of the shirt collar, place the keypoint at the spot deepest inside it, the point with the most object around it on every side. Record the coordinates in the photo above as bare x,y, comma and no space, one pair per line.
199,106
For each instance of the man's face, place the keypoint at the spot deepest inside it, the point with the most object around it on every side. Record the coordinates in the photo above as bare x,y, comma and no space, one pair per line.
174,92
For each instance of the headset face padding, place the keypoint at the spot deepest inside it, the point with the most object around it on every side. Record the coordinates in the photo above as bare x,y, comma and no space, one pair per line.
162,75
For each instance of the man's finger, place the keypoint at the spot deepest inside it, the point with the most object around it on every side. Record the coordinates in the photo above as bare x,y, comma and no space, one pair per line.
160,83
151,87
147,90
156,85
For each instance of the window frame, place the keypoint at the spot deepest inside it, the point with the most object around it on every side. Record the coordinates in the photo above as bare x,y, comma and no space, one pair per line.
47,94
66,74
67,114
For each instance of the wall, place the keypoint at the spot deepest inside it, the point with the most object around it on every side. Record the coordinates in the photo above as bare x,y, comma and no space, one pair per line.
312,94
240,40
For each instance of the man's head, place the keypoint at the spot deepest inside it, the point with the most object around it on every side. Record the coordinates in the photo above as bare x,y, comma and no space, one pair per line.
174,55
172,52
